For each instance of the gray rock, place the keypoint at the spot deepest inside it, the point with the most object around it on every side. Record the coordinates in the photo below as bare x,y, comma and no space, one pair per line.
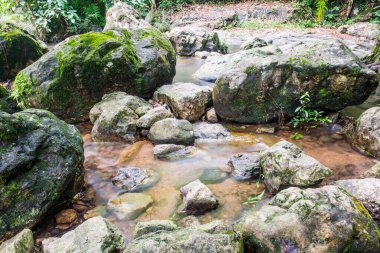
326,219
187,100
361,29
366,190
134,179
204,130
173,152
245,166
286,164
211,116
172,131
93,236
197,198
154,226
21,243
129,206
252,43
374,172
154,115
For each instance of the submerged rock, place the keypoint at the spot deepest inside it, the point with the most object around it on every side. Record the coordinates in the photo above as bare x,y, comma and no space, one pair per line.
286,164
18,50
172,131
245,166
173,152
21,243
94,235
129,206
41,166
187,100
197,198
326,219
262,84
154,226
207,131
74,76
134,179
154,115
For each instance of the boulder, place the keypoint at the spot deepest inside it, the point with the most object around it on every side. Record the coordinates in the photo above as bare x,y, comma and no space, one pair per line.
18,50
207,131
262,84
252,43
197,198
172,131
173,152
361,29
41,167
286,164
94,235
366,190
115,117
326,219
129,206
154,226
187,100
21,243
134,179
7,104
74,76
374,172
365,135
154,115
188,40
245,166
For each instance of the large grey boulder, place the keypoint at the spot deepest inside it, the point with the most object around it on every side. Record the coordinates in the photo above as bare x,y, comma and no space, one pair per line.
366,190
326,219
21,243
41,167
134,179
93,236
129,206
172,131
173,152
208,131
245,166
154,115
261,84
286,164
187,100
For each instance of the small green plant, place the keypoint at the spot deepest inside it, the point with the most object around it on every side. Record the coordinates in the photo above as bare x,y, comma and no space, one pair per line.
305,115
296,136
321,8
254,199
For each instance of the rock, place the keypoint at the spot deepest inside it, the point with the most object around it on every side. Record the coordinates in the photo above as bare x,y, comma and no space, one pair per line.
172,131
187,100
211,116
74,76
245,166
115,117
361,29
18,50
366,190
66,216
7,104
173,152
215,227
202,54
252,43
320,220
197,198
266,130
154,226
41,167
188,40
21,243
374,172
204,130
154,115
134,179
228,21
366,134
253,86
187,240
129,206
286,164
123,16
94,235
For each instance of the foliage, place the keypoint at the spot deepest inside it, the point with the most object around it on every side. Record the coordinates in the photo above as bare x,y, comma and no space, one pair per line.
253,200
321,8
376,14
305,115
296,136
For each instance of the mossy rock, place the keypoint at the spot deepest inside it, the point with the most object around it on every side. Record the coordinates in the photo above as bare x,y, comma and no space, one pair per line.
75,75
41,167
18,50
7,104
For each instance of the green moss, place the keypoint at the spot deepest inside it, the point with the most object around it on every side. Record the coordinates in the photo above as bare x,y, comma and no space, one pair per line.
323,93
21,87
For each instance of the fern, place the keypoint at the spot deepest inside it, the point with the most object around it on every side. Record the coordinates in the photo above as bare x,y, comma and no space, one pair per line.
321,9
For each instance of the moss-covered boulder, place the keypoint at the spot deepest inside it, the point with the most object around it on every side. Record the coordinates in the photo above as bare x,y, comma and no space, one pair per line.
266,83
75,75
18,50
326,219
41,166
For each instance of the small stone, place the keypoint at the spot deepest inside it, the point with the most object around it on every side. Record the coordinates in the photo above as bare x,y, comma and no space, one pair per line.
337,136
211,116
129,206
374,172
326,139
154,115
66,216
208,131
172,131
134,179
266,130
173,152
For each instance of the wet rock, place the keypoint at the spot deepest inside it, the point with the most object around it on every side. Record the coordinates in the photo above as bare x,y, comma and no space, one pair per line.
215,227
134,179
173,152
154,115
94,235
41,167
66,216
97,211
286,164
320,220
211,116
115,117
21,243
190,221
266,130
18,50
251,85
245,166
204,130
337,136
202,54
374,172
207,175
366,134
7,104
366,190
361,29
187,100
197,198
252,43
129,206
227,22
153,226
172,131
